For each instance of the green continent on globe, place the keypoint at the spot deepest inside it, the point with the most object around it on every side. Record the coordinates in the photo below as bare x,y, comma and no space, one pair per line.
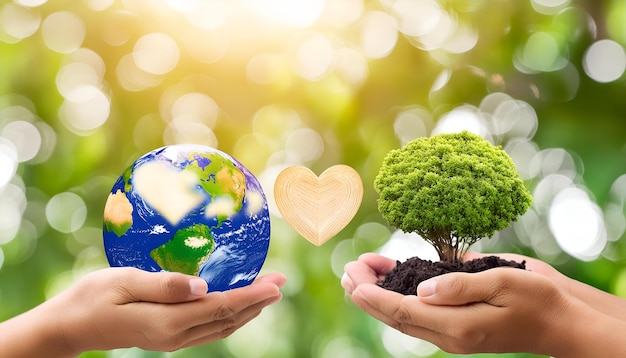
186,251
219,178
126,175
118,213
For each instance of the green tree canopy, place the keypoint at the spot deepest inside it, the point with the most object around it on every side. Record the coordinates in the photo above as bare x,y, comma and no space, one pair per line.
452,189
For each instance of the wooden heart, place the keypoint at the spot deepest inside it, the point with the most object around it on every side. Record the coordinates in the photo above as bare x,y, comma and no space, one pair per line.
318,208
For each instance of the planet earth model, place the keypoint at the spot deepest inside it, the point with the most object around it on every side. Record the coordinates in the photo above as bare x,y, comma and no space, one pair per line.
190,209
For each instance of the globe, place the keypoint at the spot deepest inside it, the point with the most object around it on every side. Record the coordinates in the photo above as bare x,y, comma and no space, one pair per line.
190,209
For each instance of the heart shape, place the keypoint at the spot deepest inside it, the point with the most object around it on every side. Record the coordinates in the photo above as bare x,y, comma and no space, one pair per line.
318,208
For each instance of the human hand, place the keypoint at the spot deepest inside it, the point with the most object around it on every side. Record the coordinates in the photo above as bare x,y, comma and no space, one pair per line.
127,307
482,312
499,310
599,300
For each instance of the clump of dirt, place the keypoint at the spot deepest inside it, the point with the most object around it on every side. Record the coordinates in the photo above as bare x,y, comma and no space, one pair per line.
405,277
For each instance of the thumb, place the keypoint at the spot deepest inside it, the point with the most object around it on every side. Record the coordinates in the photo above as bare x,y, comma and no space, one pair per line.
461,288
161,287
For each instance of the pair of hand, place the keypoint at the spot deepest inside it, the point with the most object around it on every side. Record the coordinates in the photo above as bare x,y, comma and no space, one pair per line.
537,310
128,307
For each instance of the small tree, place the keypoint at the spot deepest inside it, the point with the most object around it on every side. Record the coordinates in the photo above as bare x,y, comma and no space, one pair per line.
452,189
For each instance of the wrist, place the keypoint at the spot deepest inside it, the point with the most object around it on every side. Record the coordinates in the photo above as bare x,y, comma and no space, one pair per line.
32,334
589,333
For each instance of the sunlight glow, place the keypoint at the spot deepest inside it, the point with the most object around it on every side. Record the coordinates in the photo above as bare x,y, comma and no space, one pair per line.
293,14
205,15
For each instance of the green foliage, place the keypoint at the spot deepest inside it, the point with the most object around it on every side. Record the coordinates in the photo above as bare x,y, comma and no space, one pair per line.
452,189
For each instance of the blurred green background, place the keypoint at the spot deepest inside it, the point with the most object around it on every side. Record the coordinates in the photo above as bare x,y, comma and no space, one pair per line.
88,86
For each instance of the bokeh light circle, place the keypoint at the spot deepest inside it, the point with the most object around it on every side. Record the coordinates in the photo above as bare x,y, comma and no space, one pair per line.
31,3
25,137
8,161
74,75
605,61
314,57
12,206
18,21
156,53
416,18
577,224
66,212
378,34
195,108
85,109
412,123
306,143
63,32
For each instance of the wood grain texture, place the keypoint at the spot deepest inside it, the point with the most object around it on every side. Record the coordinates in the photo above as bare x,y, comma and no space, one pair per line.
318,207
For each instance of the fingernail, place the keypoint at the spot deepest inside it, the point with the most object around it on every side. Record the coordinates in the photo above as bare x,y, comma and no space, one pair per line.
198,287
427,288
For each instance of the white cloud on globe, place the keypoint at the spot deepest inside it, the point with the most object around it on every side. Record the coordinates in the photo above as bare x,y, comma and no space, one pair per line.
168,190
256,202
196,242
221,206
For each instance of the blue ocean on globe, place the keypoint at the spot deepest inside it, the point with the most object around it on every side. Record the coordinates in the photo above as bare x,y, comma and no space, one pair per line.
190,209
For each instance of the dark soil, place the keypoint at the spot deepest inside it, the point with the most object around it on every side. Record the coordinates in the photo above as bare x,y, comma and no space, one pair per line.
405,277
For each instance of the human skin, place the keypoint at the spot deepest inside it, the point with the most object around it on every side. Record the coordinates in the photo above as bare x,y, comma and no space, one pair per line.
537,310
127,307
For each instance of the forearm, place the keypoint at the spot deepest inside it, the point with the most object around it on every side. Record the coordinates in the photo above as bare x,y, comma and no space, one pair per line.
601,301
31,335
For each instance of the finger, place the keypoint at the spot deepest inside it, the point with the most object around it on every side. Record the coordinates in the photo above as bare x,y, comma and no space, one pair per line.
380,302
276,278
346,283
407,313
490,286
370,268
394,309
134,285
380,264
221,329
360,273
217,306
